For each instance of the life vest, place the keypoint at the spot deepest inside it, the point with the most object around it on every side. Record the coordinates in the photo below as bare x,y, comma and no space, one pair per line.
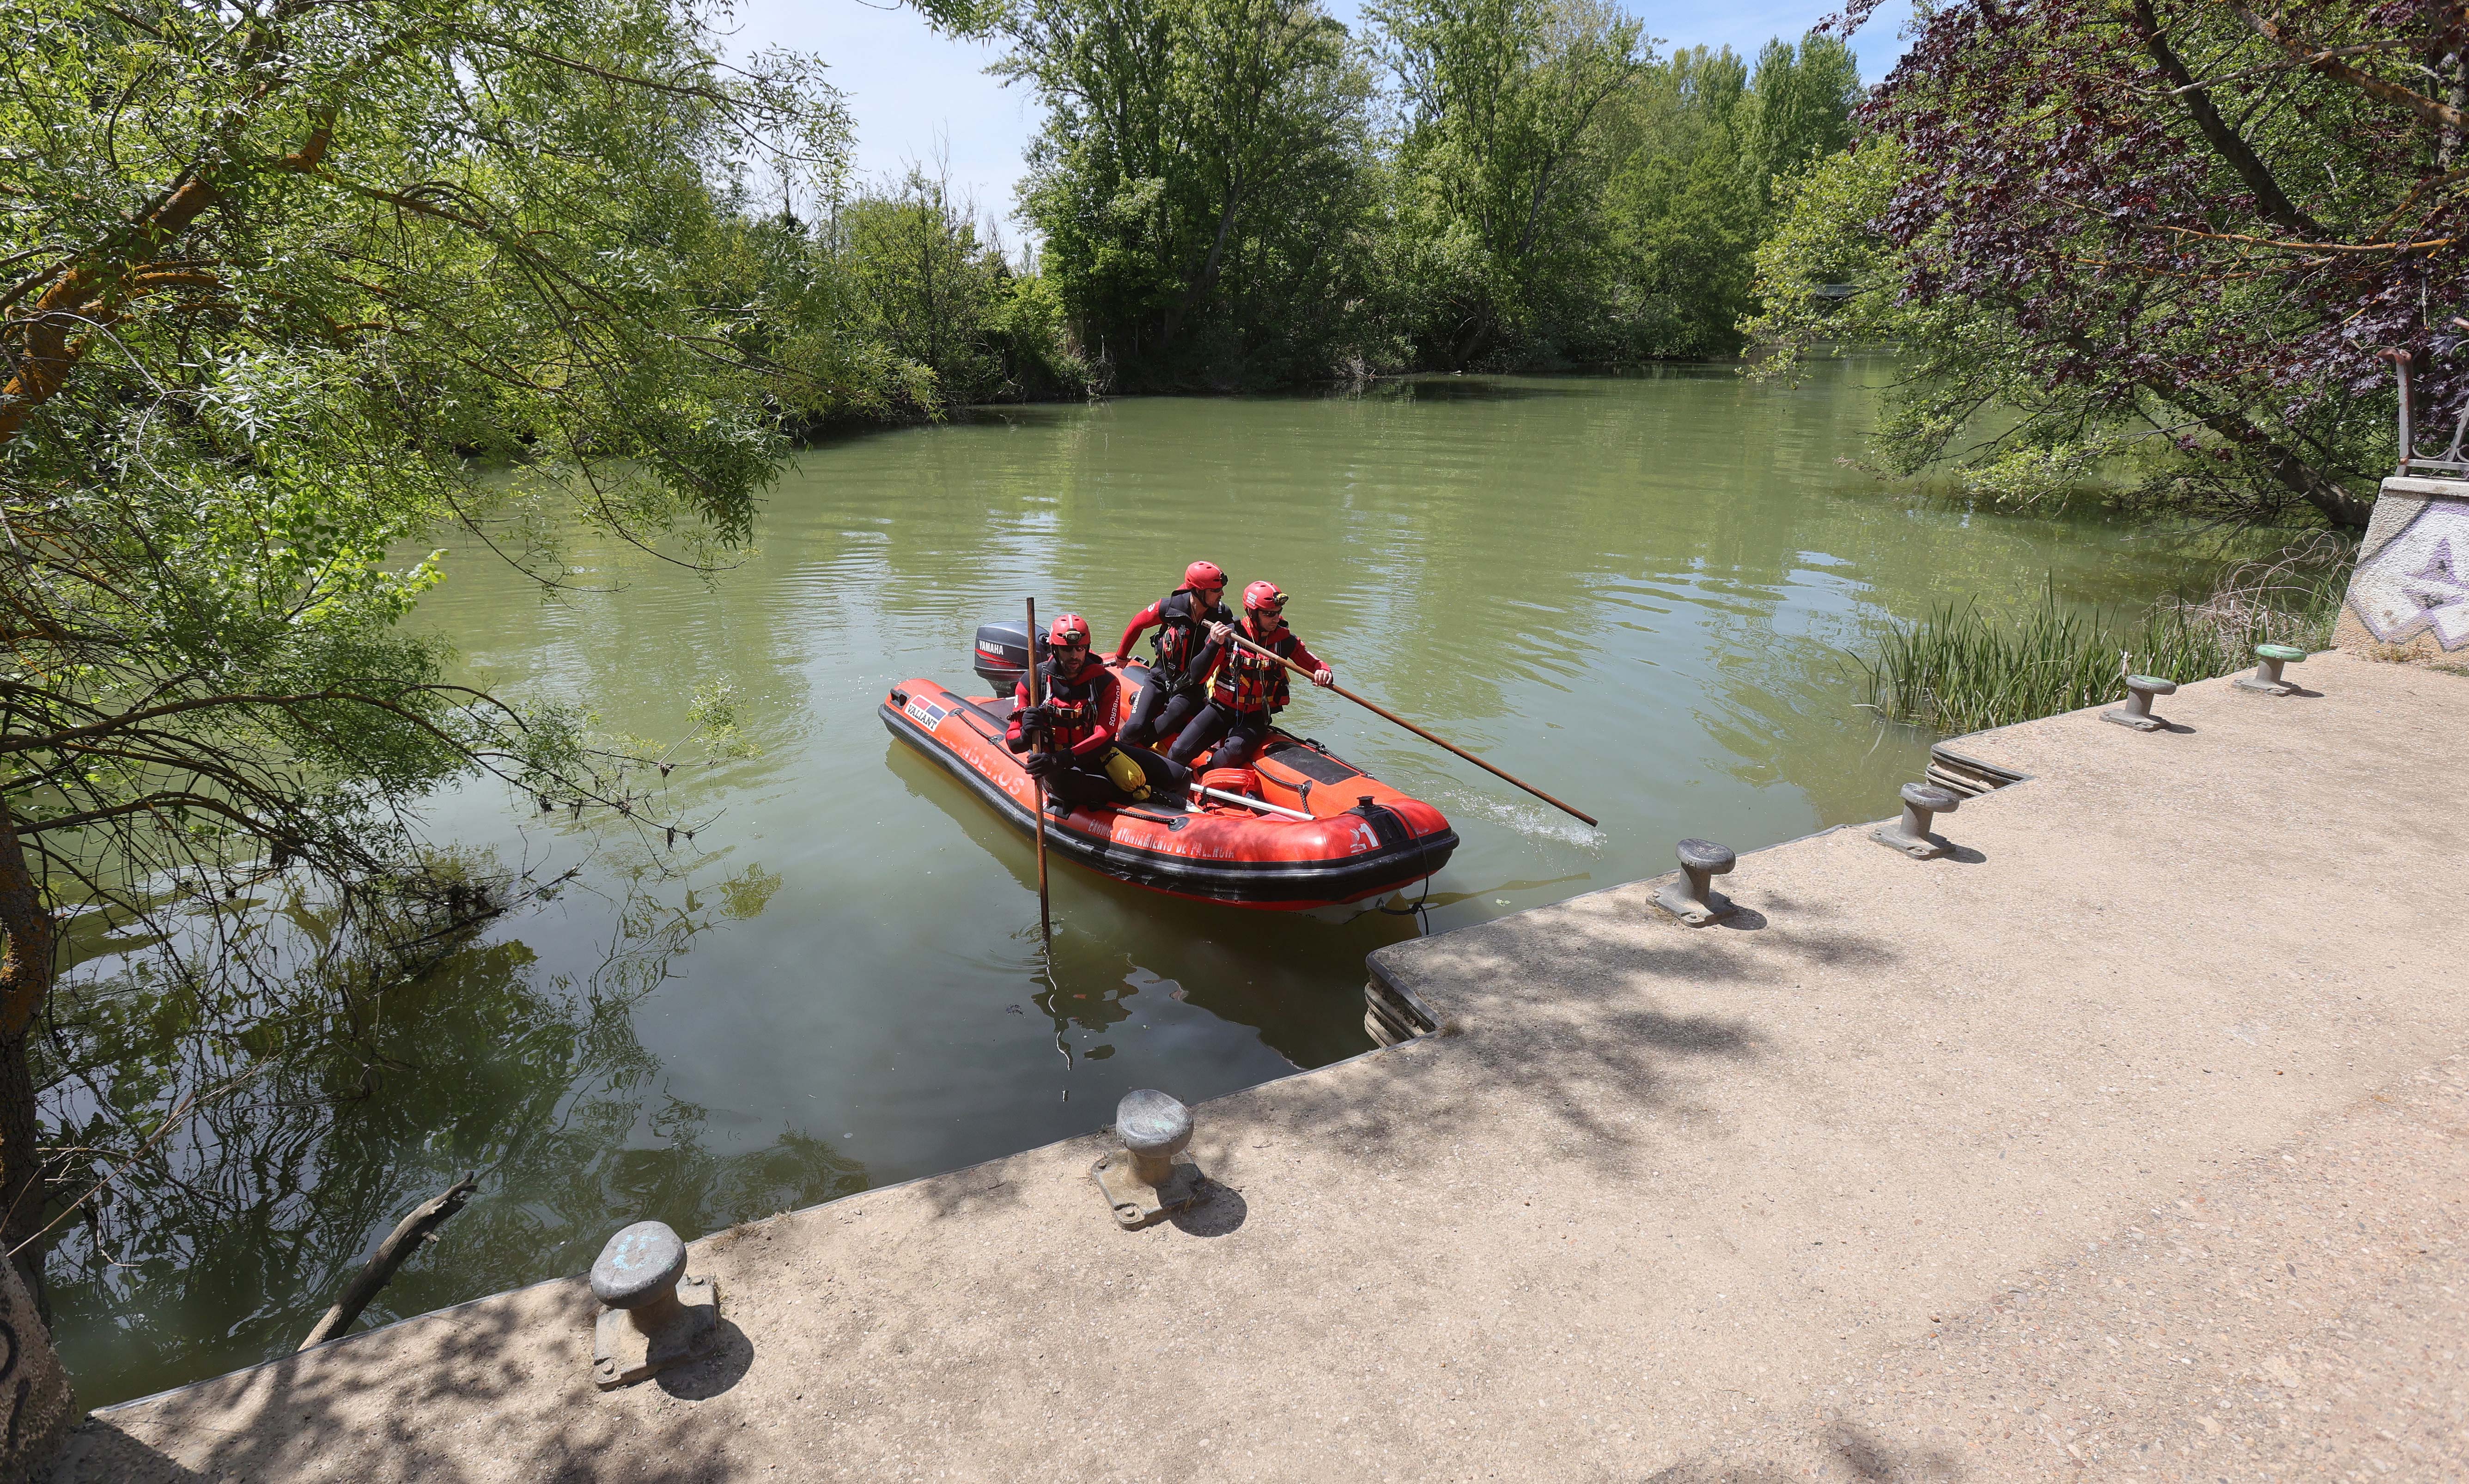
1249,681
1180,632
1074,704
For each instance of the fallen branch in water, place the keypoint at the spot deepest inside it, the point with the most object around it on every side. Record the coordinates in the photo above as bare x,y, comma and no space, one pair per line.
416,1228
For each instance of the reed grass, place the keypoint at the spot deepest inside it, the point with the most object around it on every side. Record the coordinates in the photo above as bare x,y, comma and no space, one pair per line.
1962,670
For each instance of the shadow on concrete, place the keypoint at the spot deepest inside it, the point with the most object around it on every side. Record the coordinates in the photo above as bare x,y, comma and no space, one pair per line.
290,1418
1839,1451
968,1193
1567,1017
98,1450
1874,1461
1220,1213
701,1379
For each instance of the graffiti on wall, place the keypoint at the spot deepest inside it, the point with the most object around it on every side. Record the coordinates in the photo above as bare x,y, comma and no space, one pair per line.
2418,582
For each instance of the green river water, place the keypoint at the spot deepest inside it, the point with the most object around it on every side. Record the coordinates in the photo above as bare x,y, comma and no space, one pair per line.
1636,593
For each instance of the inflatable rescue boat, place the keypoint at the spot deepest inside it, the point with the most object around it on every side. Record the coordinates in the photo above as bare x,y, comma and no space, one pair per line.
1312,829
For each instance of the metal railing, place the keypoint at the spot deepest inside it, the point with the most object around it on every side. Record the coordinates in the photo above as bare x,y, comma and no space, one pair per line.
2451,463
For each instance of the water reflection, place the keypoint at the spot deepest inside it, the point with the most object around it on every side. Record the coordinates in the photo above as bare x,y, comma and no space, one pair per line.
226,1242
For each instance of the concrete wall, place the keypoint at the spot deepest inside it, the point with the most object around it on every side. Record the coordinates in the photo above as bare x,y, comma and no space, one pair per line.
2409,598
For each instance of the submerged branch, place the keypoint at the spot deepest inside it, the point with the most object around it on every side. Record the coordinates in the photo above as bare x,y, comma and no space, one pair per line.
420,1226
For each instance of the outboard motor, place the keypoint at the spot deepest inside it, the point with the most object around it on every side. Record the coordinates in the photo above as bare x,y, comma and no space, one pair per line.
1002,655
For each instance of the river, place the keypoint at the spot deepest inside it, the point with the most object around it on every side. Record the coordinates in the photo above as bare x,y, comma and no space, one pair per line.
1636,592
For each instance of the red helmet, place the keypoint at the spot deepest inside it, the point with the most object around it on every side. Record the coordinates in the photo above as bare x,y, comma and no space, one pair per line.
1263,594
1204,574
1066,627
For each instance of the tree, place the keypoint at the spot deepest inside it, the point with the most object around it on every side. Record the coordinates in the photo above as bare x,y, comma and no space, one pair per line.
927,289
1803,103
292,284
918,266
2183,223
1500,159
1197,179
1686,208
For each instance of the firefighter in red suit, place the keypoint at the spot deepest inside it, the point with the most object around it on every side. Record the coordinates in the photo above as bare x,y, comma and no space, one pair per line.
1175,687
1069,736
1251,688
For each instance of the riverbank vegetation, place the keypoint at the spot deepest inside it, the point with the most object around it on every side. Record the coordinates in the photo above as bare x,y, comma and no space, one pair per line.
1963,668
2155,247
1244,194
1240,193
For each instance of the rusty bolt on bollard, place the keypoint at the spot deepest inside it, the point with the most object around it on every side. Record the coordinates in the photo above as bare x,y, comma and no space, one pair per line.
1910,834
657,1315
2136,712
1693,899
1143,1182
2269,658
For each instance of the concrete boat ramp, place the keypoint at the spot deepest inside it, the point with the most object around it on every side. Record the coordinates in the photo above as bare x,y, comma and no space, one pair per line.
2129,1141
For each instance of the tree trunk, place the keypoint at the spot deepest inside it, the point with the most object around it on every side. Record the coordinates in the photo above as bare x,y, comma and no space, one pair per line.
2333,501
1476,341
25,984
35,1408
1207,278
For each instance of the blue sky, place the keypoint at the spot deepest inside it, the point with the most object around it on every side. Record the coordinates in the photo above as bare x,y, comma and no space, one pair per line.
915,95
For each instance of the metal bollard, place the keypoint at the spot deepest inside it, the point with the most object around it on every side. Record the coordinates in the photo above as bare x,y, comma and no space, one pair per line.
657,1315
2136,712
1910,834
1143,1182
1693,899
2269,658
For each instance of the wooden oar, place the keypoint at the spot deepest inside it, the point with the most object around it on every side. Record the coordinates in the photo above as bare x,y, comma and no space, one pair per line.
1045,917
1382,710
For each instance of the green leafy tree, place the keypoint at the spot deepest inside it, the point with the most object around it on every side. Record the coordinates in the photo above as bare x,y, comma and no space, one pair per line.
1802,102
1494,231
795,306
289,285
1693,198
932,292
918,266
1197,179
1684,210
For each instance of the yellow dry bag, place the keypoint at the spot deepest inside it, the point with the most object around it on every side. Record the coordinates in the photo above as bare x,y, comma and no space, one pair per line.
1128,773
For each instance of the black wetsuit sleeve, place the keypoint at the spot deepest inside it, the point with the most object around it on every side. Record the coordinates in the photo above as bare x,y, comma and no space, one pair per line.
1204,663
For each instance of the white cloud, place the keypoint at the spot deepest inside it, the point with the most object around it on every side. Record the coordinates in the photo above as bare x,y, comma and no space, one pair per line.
916,95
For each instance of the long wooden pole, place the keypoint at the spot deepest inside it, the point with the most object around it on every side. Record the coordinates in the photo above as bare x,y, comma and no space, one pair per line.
1045,914
1382,710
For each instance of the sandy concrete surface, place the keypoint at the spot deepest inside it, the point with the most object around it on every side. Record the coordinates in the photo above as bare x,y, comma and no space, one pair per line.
2128,1142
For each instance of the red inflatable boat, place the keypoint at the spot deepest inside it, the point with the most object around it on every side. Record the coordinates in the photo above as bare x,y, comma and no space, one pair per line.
1360,839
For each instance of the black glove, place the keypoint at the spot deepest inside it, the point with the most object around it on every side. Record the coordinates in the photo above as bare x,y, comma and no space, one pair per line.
1035,716
1041,764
